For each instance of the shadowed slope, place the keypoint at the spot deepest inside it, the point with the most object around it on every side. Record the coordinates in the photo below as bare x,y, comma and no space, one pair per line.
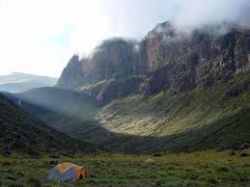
198,119
22,133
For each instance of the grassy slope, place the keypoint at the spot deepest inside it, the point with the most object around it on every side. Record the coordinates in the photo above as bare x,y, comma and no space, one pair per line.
23,134
185,169
197,119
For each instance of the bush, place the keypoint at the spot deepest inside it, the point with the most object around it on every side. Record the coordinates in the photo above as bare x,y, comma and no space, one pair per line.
6,163
17,184
34,182
244,155
224,169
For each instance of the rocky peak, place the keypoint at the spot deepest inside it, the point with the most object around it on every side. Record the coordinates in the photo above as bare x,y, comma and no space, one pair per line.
114,58
72,75
167,59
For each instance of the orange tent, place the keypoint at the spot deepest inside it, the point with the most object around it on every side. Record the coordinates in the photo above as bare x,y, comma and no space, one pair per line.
68,171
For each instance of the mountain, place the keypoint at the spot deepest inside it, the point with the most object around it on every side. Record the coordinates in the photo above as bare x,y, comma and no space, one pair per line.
114,58
165,59
21,133
172,91
20,82
73,75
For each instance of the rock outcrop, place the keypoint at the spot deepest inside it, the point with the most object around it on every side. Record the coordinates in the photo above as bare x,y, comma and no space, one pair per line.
167,58
72,75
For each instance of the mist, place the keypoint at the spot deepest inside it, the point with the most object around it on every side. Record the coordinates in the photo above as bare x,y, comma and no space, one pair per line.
196,14
42,40
136,17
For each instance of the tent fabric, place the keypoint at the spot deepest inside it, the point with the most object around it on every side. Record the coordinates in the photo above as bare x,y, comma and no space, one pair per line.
67,171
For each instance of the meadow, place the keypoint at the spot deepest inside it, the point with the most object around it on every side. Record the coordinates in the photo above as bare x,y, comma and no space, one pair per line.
206,168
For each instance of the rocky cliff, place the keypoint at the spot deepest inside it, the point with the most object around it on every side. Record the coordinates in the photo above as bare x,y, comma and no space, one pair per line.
73,75
166,59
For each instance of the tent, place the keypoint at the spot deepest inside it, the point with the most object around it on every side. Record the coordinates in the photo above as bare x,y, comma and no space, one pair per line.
67,171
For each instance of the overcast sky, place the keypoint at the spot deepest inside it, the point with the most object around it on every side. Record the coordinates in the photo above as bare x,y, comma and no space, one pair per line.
39,36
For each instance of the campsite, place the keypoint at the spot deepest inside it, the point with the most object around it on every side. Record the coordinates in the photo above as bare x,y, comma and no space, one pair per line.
208,168
124,93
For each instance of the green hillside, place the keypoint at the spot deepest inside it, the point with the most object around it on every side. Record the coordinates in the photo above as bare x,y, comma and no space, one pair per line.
22,133
217,117
202,118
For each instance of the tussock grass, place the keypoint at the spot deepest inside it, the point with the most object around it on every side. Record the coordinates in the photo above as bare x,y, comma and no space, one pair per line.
207,168
199,118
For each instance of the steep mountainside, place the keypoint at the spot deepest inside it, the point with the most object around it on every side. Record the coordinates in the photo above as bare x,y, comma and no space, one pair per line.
114,58
20,82
73,75
199,119
171,91
165,59
21,133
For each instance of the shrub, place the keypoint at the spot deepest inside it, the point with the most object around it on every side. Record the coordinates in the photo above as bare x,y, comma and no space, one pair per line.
224,169
34,182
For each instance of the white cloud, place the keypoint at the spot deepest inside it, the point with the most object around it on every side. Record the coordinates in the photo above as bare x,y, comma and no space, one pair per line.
195,13
33,34
39,36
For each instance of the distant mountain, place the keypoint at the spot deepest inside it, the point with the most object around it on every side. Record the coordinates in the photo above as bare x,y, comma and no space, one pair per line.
20,82
173,89
21,133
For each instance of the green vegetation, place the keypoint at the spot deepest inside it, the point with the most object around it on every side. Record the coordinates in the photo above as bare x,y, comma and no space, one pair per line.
216,117
95,85
24,134
198,119
184,169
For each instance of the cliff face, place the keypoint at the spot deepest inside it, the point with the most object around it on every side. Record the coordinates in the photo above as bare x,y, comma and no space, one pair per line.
179,62
115,58
166,58
72,75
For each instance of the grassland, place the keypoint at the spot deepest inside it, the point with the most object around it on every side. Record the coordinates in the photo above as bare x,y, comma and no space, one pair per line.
200,118
207,168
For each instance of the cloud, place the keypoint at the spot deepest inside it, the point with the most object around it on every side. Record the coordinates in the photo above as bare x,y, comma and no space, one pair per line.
40,36
197,13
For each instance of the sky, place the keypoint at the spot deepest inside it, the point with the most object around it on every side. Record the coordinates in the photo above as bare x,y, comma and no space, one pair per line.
40,36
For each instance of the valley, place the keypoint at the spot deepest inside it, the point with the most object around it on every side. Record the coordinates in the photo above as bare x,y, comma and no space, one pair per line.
172,109
186,94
